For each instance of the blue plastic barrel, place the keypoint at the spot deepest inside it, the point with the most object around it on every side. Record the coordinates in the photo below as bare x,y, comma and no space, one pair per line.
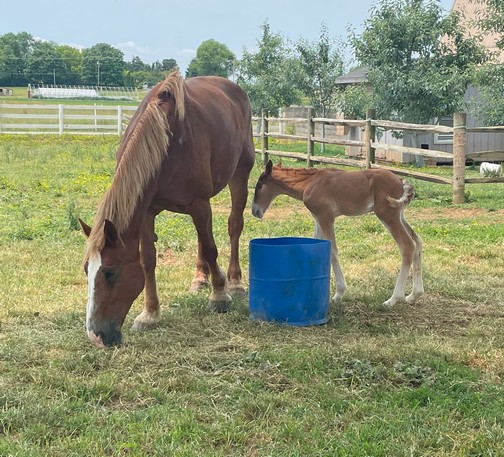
289,280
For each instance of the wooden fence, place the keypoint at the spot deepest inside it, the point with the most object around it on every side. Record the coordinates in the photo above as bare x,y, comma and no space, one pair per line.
370,144
60,119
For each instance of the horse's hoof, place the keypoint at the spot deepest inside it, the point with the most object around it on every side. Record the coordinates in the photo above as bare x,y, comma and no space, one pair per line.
219,306
197,286
237,292
145,322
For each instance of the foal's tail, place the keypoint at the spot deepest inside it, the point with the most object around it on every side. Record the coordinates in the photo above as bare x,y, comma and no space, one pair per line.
406,197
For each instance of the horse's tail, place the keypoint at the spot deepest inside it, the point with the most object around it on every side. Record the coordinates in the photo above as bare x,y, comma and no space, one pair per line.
406,197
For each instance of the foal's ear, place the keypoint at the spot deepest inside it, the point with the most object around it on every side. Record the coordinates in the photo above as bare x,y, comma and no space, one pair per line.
85,228
269,167
110,233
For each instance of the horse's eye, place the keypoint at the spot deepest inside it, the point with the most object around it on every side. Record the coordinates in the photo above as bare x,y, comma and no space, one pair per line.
86,267
109,275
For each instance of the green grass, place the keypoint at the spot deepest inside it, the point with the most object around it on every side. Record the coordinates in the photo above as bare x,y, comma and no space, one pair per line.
422,380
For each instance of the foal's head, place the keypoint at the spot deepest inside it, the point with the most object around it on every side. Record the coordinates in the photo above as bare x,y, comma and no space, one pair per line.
265,192
115,279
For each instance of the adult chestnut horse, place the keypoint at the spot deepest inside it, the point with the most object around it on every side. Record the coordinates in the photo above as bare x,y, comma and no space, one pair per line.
329,193
185,143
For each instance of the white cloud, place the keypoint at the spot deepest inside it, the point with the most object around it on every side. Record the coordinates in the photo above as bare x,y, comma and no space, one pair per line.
130,49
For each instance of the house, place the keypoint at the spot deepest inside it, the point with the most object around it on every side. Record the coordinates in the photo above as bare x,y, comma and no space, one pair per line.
470,10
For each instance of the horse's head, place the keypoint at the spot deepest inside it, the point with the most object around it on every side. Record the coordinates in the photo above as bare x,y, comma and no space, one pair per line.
265,192
115,279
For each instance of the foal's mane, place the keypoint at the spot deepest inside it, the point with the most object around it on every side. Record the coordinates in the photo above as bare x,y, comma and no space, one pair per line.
292,176
143,154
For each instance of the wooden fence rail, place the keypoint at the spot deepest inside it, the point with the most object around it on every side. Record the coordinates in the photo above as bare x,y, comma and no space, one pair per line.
60,119
370,144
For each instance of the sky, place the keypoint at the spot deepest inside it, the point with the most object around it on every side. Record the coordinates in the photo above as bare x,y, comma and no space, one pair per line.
162,29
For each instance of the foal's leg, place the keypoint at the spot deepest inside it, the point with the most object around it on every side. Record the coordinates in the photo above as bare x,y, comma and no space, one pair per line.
201,213
239,192
324,229
418,288
393,222
150,315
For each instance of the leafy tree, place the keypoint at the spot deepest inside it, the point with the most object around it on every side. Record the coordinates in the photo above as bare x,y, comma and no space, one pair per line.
268,74
212,58
419,61
102,64
169,64
321,64
45,65
14,50
136,64
72,60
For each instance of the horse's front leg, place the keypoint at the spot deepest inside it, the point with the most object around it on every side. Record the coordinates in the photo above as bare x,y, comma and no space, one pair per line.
201,213
150,315
324,229
239,192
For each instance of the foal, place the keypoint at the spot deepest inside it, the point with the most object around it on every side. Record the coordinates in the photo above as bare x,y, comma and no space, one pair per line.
329,193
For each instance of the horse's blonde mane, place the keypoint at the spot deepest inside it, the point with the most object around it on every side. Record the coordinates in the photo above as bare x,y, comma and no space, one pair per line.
142,157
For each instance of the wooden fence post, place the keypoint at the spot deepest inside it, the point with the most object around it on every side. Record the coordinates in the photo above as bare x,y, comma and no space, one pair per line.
60,119
264,135
369,135
119,120
311,133
459,150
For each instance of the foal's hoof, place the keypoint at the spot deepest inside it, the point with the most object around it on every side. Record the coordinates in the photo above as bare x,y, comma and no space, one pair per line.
145,322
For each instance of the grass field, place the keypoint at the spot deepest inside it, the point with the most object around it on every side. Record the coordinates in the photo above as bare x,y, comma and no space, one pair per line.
422,380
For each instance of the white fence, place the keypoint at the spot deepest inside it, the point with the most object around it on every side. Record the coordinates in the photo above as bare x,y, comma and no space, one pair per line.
60,119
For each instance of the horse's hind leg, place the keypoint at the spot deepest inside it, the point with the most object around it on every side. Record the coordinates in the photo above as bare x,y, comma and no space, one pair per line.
239,192
200,280
407,247
150,315
418,288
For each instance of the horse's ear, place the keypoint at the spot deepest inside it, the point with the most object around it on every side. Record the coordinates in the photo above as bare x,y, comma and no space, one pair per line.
85,228
110,233
269,167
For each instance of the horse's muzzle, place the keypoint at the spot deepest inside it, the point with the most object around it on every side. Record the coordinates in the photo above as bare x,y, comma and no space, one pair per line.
110,336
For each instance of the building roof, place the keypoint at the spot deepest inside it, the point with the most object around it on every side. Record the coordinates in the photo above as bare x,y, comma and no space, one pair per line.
354,77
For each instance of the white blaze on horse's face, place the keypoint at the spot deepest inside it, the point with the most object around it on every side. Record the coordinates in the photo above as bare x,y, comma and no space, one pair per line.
94,265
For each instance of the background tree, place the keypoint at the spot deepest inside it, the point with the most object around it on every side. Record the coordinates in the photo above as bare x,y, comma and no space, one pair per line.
72,60
45,65
169,65
419,61
321,63
268,74
212,58
14,50
104,63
